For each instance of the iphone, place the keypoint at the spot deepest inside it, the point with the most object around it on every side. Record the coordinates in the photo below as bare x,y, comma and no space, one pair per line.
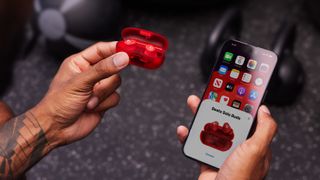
230,102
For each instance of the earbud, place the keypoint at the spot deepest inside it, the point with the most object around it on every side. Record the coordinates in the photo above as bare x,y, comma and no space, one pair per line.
226,128
215,126
207,127
228,27
288,78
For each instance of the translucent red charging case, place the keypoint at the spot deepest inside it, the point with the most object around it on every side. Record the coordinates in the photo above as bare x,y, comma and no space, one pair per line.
145,48
218,137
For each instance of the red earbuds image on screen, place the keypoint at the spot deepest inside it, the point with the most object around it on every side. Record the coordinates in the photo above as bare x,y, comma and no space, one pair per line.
218,137
145,48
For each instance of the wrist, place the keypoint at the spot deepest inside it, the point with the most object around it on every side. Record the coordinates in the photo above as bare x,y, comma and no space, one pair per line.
46,120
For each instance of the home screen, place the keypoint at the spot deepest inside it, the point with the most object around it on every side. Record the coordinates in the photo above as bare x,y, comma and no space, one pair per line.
230,102
239,81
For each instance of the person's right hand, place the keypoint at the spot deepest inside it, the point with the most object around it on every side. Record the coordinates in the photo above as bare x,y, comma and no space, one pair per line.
80,93
250,160
82,90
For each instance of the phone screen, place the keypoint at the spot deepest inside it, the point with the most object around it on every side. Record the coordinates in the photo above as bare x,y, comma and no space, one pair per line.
230,102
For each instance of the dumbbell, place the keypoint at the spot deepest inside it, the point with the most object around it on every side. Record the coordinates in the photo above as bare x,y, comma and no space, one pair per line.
288,78
69,26
228,27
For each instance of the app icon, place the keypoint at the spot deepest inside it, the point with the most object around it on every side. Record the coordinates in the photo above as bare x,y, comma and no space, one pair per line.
234,73
252,64
217,83
236,104
240,60
223,69
264,67
258,82
241,91
248,108
213,95
229,87
228,56
246,77
253,95
224,100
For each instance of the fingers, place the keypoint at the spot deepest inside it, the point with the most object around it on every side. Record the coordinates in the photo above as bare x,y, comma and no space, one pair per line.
193,103
182,133
98,52
107,86
108,103
84,60
103,89
104,69
209,174
266,128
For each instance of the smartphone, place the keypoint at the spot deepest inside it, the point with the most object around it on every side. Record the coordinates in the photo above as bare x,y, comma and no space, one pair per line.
229,105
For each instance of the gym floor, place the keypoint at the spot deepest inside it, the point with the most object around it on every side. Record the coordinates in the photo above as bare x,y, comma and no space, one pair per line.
137,140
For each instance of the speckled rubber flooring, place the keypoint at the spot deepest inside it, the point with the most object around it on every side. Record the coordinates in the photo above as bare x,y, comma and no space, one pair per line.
137,139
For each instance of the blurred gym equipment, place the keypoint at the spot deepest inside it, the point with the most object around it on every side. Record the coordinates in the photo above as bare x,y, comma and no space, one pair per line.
228,27
288,79
72,25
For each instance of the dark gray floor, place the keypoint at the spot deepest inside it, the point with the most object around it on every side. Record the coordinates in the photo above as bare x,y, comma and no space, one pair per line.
137,139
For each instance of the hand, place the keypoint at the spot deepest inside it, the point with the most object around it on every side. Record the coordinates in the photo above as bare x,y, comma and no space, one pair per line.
80,93
82,90
250,160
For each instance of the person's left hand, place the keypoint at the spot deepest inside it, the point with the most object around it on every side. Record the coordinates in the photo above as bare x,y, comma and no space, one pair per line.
249,160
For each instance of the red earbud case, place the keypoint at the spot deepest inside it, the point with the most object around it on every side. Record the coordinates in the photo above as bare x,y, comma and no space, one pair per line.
145,48
216,136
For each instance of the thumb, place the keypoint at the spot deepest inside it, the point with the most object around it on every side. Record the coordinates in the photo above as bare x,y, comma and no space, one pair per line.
104,69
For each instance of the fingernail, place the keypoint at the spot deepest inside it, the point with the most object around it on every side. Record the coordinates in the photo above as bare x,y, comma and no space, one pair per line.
265,109
93,102
179,128
121,60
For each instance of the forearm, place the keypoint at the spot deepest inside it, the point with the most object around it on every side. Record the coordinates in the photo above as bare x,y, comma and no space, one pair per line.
23,142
